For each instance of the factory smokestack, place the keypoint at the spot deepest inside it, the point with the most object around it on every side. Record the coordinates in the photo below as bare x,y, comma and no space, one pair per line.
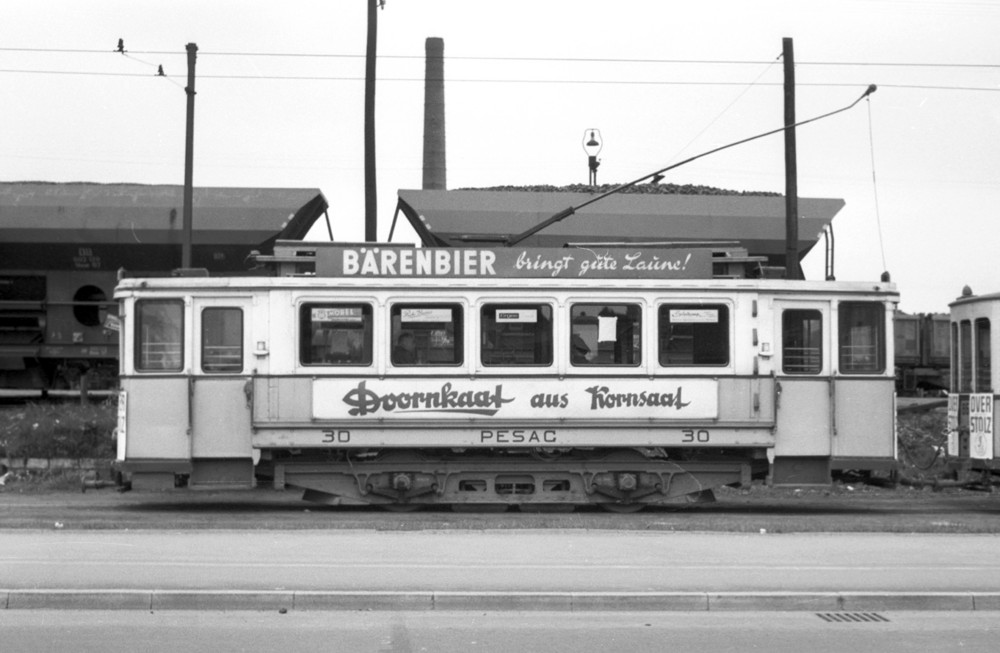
435,177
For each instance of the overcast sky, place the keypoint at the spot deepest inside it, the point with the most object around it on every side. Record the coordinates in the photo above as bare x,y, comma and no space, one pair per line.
280,99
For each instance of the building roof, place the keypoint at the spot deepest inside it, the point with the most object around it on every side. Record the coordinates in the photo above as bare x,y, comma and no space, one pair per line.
474,217
87,213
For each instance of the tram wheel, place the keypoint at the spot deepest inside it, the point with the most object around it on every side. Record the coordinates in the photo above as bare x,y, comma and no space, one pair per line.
622,508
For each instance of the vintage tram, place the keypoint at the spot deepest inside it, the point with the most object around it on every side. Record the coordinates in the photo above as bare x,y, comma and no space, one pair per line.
973,444
621,376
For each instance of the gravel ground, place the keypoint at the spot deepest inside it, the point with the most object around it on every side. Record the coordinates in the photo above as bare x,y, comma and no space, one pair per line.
841,508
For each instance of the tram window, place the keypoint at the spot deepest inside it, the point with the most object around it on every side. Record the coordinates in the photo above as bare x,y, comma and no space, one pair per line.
518,334
802,341
427,334
606,334
984,381
222,340
159,333
965,356
862,337
335,334
953,386
694,334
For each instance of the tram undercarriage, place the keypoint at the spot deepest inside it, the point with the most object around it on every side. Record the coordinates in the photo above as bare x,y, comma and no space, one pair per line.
616,479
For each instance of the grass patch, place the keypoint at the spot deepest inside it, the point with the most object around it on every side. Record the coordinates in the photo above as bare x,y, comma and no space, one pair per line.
73,431
923,440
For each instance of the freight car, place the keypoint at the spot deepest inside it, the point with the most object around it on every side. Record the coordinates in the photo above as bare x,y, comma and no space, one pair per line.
973,437
62,246
923,354
619,376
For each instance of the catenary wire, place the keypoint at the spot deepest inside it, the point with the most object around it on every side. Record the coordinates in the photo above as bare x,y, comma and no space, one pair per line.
322,78
726,109
328,55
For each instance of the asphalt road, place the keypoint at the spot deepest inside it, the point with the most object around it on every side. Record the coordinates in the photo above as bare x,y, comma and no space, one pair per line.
496,569
549,560
496,632
842,549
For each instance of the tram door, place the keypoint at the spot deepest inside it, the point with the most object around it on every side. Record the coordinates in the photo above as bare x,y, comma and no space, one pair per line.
160,429
220,402
865,386
804,420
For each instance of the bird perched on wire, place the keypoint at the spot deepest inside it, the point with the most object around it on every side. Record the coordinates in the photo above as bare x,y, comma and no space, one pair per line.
159,71
121,46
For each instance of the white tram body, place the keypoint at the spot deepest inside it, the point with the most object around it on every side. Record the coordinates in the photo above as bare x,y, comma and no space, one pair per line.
612,376
973,437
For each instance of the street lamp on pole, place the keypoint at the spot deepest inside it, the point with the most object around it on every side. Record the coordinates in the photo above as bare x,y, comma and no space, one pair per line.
592,145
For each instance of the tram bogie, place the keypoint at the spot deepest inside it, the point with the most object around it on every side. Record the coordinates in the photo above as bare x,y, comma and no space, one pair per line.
535,377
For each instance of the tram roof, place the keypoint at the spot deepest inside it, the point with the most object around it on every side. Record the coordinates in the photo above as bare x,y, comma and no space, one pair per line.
481,217
90,213
972,299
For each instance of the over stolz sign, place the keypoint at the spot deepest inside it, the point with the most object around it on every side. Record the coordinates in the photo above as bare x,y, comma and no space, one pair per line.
532,262
466,400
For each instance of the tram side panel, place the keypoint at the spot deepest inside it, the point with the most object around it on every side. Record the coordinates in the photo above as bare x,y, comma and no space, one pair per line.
369,405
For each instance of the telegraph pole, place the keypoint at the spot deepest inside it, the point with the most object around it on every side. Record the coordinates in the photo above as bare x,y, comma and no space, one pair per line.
371,204
186,242
792,269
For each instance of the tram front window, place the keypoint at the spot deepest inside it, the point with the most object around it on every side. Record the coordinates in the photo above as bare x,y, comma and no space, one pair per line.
516,334
426,334
222,340
802,341
606,334
335,334
862,337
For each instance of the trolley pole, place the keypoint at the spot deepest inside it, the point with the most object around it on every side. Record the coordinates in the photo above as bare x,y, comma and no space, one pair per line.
192,51
792,270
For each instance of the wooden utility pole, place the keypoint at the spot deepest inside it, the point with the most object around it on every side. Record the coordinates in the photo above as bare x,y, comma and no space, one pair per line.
186,243
371,204
792,269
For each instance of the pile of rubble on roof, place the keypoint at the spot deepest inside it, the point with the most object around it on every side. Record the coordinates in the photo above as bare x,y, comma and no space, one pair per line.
650,189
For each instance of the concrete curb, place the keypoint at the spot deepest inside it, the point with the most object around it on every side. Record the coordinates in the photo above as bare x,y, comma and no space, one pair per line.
109,599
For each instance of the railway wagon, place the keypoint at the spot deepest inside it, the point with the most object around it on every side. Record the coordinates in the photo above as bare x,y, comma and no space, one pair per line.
402,377
62,246
973,437
923,353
